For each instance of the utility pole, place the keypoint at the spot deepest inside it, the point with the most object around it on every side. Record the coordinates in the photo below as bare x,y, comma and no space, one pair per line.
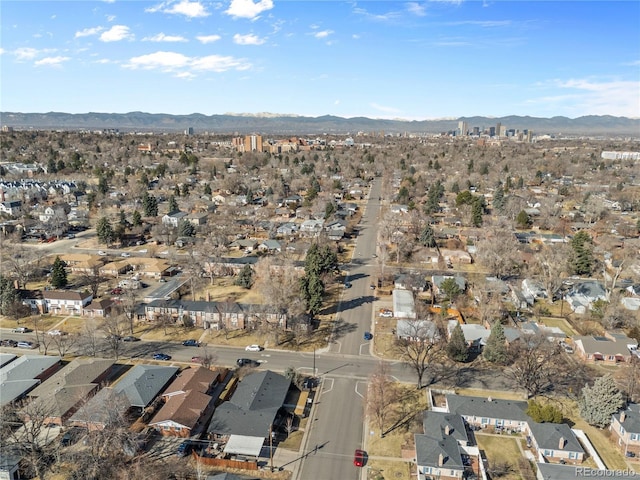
314,361
271,446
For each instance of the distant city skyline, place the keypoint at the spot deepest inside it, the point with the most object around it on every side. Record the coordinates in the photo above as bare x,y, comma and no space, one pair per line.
377,59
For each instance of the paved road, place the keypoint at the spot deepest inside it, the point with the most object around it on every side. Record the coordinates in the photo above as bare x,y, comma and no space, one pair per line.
339,414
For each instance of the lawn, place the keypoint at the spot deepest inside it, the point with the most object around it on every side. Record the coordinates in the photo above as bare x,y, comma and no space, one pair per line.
501,450
388,470
561,323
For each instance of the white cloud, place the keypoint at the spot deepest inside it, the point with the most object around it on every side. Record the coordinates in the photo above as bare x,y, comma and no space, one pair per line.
591,96
184,66
183,7
248,8
323,33
385,109
417,9
161,37
2,50
51,61
117,33
87,32
208,38
249,39
111,18
25,53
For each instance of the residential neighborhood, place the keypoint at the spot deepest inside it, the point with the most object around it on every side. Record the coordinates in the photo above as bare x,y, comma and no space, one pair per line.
367,306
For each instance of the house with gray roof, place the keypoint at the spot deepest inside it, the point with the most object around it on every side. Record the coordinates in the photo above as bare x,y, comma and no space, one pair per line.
486,411
581,297
448,424
25,373
6,358
438,457
143,383
244,421
417,330
609,350
625,429
64,390
553,471
556,442
105,408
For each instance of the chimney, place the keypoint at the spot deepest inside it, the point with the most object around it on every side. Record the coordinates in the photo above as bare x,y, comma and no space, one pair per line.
440,460
447,430
562,443
623,416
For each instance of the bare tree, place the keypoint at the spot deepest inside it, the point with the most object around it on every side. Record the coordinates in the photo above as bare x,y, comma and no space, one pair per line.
63,343
93,279
498,252
551,266
421,346
113,328
533,364
87,343
380,394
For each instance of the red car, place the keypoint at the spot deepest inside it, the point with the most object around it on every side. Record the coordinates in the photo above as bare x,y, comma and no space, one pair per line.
358,459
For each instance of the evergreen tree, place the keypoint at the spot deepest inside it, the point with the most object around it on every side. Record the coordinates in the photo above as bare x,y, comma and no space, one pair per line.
136,218
477,210
599,402
103,186
8,296
450,288
329,209
58,274
149,205
495,351
498,199
523,220
427,237
185,190
455,188
581,260
457,349
543,413
186,229
207,189
173,205
245,277
104,231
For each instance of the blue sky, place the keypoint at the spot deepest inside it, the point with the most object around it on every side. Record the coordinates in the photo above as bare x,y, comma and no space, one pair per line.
379,59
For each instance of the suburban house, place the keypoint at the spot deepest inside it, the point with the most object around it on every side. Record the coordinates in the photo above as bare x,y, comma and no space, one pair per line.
188,403
12,208
555,442
66,302
611,349
98,308
215,315
247,419
61,394
438,457
25,373
270,246
173,219
417,330
403,303
581,297
143,383
107,407
625,429
311,227
81,262
475,335
436,282
484,412
197,219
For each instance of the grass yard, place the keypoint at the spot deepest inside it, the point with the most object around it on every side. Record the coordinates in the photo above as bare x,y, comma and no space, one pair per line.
498,394
501,450
388,470
561,323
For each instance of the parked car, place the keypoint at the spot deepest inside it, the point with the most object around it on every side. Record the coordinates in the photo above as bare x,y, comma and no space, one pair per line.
56,333
102,253
196,359
71,436
117,291
191,343
184,448
130,338
161,356
347,285
359,458
372,287
253,348
7,342
22,330
385,312
125,254
70,236
368,335
30,345
247,362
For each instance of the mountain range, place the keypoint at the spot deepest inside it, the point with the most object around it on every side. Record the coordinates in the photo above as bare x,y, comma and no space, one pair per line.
276,124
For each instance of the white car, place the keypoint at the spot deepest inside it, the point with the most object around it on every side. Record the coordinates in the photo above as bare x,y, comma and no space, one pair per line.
55,333
125,254
101,253
253,348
